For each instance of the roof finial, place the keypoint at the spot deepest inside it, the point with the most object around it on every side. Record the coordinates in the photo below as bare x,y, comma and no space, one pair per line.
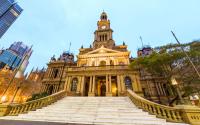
124,43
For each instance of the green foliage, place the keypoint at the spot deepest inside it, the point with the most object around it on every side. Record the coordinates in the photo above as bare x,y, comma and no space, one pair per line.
37,96
169,60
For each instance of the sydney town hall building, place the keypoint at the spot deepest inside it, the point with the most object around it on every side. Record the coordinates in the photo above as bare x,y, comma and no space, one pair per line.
100,70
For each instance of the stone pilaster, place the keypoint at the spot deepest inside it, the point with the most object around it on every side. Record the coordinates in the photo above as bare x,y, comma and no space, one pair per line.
109,92
69,84
66,83
83,85
91,88
118,85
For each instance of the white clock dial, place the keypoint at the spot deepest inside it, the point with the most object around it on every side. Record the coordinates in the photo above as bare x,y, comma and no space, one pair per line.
103,27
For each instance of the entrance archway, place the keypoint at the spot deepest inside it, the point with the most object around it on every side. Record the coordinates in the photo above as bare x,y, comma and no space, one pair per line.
103,89
100,86
50,90
102,63
128,83
74,84
86,88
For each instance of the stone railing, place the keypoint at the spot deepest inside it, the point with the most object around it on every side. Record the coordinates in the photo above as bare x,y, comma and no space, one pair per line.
180,113
12,109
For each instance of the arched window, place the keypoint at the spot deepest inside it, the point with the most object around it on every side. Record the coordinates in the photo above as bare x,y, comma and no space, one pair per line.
121,63
106,37
128,83
74,84
55,71
93,63
102,63
111,62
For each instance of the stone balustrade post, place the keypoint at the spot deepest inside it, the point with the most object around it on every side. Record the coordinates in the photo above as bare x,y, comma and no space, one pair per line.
190,114
4,110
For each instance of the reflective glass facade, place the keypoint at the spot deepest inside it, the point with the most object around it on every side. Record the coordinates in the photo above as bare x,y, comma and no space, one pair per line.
5,5
19,48
9,12
9,58
13,55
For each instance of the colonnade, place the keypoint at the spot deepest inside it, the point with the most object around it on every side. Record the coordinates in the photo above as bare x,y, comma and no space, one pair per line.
93,82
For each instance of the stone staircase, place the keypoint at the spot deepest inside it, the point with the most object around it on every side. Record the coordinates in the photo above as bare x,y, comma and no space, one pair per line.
92,110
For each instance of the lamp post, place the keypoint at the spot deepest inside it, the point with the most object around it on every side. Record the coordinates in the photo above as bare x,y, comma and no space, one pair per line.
175,83
18,87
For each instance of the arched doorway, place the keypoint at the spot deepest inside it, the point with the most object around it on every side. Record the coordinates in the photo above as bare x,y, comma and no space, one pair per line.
103,89
102,63
111,62
128,83
74,84
50,90
86,88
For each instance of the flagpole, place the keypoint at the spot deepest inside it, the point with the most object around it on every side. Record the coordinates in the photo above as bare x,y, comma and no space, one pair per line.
187,56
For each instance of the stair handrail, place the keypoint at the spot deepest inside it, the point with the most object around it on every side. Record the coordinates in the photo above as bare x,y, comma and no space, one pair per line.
180,113
16,109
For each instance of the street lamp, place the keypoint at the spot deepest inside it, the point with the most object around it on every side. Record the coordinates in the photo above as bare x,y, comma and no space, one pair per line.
3,99
175,83
18,87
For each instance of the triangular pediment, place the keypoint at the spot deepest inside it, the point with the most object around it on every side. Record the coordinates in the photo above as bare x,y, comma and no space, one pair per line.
102,50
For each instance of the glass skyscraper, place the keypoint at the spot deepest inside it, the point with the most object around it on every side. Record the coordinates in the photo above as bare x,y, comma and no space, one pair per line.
14,55
9,12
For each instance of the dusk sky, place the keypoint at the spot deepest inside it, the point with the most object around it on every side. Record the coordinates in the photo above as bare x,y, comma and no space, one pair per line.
50,25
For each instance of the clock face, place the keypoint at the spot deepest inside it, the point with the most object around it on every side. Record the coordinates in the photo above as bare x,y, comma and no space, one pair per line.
103,27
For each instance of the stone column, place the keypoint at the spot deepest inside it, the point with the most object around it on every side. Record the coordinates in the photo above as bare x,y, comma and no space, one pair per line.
91,87
158,91
107,84
53,91
46,88
122,83
94,85
49,73
109,92
149,88
83,85
68,84
110,84
161,91
134,83
138,84
118,85
79,84
57,88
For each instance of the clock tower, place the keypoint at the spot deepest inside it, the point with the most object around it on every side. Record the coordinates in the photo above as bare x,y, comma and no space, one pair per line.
103,34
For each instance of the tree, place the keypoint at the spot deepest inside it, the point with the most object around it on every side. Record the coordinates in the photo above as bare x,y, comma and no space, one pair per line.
169,60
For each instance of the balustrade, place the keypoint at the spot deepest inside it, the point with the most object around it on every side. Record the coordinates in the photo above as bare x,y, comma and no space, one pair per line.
31,106
182,113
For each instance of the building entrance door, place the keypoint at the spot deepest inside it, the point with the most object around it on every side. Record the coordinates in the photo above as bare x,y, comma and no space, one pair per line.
101,86
50,90
87,86
103,89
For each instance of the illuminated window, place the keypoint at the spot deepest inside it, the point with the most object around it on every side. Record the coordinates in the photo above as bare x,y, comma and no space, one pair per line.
74,85
128,83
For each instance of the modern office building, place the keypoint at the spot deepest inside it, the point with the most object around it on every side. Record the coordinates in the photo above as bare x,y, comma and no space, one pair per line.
9,12
14,55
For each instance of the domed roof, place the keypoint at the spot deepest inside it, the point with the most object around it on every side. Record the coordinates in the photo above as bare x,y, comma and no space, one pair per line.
103,16
103,13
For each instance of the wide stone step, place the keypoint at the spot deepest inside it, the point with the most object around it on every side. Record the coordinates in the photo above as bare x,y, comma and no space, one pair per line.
93,110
